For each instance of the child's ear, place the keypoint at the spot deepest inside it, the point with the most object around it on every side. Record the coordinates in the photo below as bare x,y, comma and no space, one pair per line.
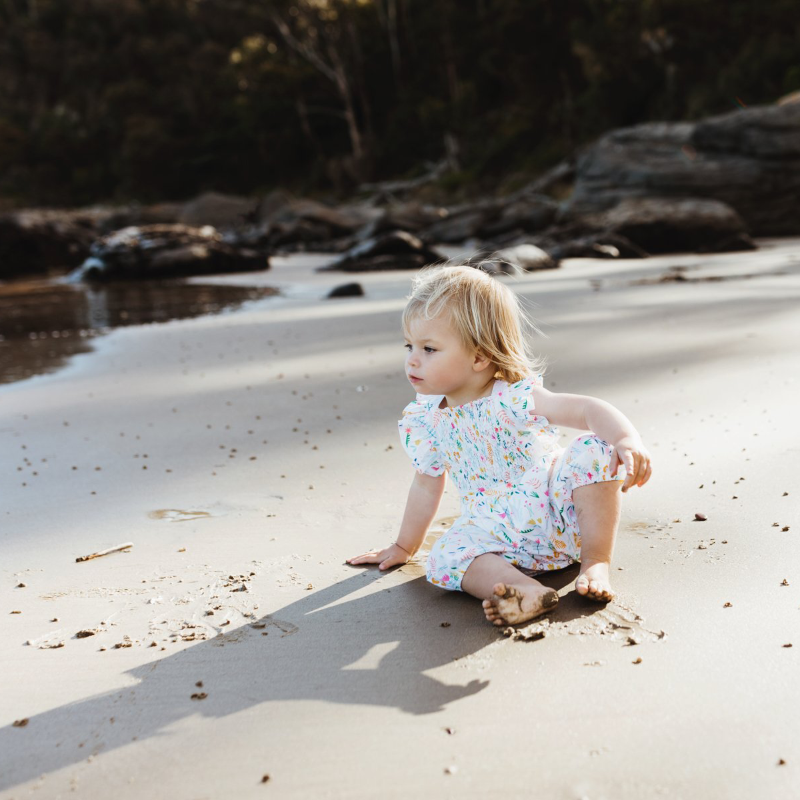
481,362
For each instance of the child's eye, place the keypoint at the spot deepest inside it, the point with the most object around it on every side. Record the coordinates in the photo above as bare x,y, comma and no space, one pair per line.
407,346
429,350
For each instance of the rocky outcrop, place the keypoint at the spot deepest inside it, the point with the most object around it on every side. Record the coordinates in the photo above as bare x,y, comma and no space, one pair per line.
165,251
395,250
748,159
670,225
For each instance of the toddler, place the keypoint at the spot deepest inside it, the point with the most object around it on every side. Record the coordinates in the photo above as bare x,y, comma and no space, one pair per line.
482,415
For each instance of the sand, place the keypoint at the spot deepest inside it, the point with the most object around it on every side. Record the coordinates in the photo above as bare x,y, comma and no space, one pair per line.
246,455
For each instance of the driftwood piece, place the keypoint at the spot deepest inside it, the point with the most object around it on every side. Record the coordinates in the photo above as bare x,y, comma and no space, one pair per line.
105,552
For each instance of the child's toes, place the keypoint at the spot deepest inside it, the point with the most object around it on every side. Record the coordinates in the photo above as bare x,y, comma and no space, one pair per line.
499,589
582,584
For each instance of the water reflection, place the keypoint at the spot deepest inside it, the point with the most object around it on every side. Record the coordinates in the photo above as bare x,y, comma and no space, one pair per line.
42,323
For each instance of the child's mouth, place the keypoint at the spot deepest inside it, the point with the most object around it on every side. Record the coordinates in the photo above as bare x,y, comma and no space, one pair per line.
414,379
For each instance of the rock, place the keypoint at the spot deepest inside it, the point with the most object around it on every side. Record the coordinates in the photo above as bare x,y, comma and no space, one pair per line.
528,257
347,290
529,213
411,217
583,239
670,225
748,159
463,222
396,250
219,210
36,242
165,251
511,260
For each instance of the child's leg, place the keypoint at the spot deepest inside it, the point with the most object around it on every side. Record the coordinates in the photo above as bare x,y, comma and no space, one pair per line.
508,595
598,509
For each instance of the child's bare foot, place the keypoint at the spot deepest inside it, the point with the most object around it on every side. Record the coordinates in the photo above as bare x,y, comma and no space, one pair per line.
513,604
594,583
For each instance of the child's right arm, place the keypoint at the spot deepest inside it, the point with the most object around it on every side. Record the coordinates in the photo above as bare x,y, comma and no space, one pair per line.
421,506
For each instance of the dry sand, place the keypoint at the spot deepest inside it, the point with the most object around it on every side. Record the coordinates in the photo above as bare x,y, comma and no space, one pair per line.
246,455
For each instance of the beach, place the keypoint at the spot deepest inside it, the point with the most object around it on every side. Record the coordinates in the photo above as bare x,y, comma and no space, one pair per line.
231,651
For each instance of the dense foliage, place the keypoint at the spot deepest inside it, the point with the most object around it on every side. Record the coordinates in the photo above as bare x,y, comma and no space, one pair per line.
157,99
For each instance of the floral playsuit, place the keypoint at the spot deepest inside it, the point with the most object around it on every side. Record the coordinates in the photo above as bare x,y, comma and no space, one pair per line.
514,479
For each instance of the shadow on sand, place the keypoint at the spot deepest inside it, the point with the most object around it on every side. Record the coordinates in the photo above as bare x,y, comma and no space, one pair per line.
307,650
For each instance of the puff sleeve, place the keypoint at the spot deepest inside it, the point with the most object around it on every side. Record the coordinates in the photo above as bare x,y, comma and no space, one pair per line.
417,438
515,402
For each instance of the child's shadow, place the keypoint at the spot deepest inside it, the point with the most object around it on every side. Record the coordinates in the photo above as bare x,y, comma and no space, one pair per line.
349,643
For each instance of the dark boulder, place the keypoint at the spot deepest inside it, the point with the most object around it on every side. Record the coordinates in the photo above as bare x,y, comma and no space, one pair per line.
748,159
347,290
581,239
395,250
165,251
671,225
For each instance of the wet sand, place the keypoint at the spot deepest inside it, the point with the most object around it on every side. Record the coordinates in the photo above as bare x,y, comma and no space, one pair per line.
247,455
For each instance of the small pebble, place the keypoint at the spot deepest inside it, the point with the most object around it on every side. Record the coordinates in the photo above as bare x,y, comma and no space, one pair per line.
788,645
20,723
637,661
445,624
264,778
451,770
700,517
727,605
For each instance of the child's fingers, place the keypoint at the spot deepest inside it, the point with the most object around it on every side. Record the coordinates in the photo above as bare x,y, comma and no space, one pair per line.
630,469
615,462
648,472
365,558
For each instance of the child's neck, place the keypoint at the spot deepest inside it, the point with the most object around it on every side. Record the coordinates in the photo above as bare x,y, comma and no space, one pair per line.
469,393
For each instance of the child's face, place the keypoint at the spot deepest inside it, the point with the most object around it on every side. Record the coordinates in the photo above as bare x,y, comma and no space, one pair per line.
437,361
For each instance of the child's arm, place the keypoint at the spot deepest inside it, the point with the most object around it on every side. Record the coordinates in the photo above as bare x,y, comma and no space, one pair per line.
421,506
609,423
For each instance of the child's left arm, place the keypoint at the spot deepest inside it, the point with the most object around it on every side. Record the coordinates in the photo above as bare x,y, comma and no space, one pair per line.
609,423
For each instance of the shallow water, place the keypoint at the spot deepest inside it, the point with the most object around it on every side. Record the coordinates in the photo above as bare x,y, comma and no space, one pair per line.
43,323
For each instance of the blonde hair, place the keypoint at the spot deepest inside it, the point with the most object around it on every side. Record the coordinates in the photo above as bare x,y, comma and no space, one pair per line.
486,315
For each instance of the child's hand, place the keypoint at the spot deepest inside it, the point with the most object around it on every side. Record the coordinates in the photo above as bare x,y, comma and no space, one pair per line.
631,454
391,556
